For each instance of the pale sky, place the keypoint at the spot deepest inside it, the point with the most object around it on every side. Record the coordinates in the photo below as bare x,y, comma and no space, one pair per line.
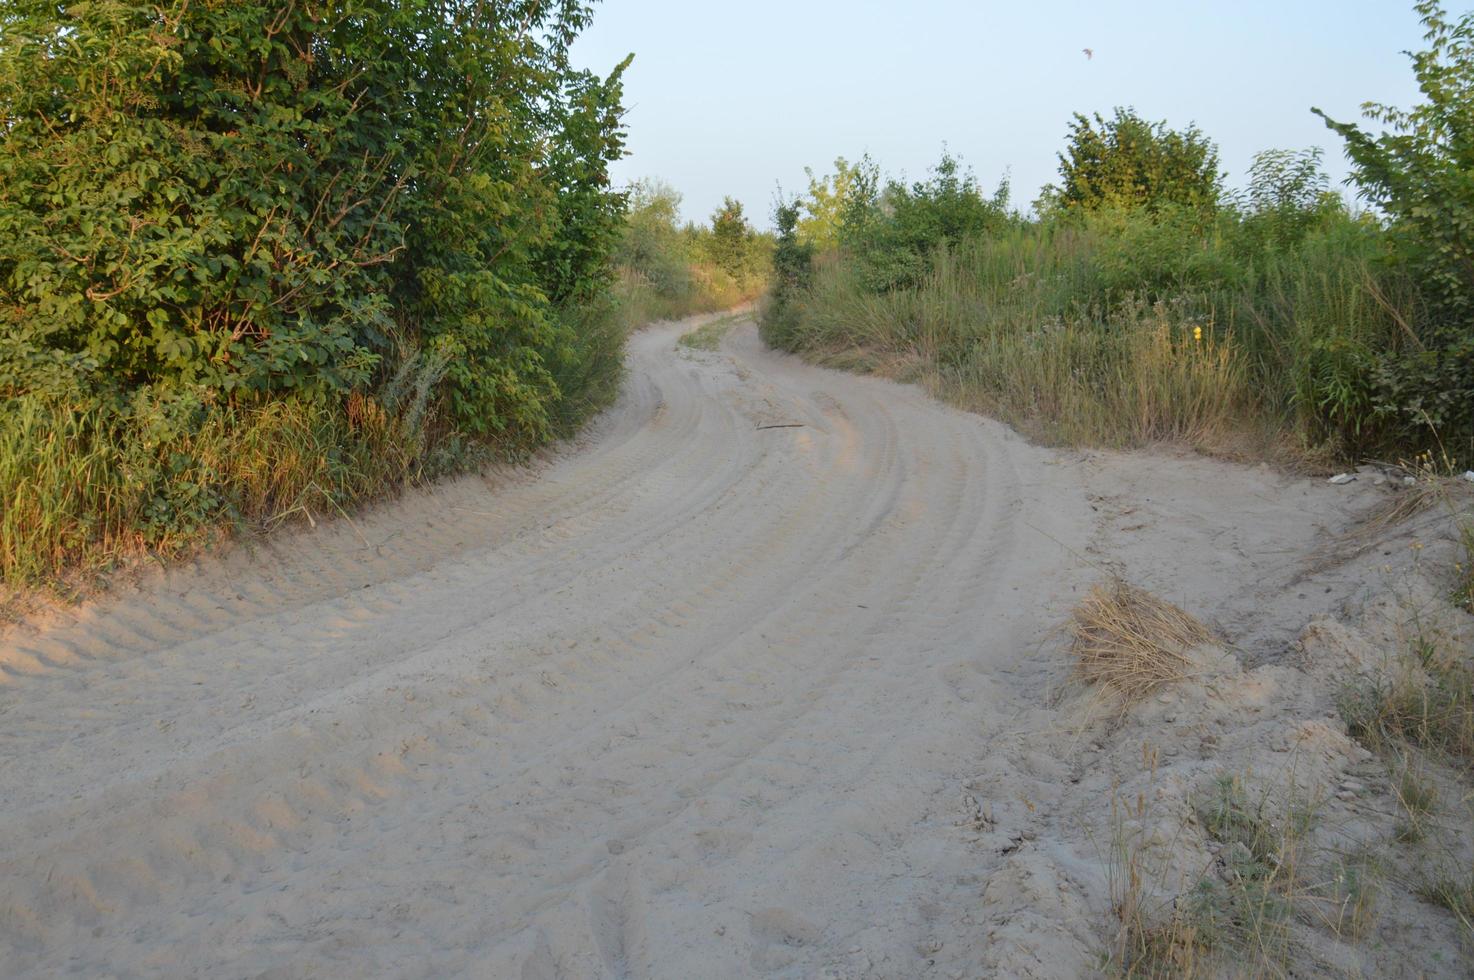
734,98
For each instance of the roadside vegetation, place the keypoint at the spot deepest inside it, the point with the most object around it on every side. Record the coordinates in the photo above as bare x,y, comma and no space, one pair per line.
669,269
1142,300
263,259
266,260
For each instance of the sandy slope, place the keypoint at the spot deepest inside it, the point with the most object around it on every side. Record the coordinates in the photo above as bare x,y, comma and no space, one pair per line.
701,696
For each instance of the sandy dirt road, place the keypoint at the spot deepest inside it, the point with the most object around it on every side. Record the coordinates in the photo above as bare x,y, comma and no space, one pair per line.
695,698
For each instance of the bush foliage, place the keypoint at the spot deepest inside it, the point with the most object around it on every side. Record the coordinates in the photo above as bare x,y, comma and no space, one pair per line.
220,214
1421,175
1126,162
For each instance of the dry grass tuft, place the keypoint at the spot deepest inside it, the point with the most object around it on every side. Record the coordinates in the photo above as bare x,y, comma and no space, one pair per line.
1131,641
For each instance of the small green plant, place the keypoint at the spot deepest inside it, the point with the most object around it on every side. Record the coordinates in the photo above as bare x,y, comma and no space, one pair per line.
1155,935
1417,794
1266,833
1241,911
1265,851
1345,900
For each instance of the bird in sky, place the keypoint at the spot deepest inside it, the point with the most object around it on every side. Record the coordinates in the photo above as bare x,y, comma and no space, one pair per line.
1089,54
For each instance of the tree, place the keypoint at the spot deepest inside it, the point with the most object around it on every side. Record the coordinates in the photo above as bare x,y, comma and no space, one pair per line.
792,272
829,198
1288,195
730,239
1128,162
653,244
254,197
893,232
1421,173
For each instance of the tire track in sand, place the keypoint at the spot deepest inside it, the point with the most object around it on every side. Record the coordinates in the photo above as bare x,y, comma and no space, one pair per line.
694,699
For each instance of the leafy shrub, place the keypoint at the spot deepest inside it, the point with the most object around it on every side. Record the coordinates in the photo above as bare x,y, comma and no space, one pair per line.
218,215
792,274
1419,175
893,232
1166,254
1127,162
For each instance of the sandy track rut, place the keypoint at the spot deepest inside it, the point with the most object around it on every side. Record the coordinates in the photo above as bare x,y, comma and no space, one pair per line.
695,699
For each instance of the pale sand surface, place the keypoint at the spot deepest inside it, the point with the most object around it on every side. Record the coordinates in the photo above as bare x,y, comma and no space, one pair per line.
691,698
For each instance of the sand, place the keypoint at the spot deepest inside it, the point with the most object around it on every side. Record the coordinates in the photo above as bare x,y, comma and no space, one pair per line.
697,696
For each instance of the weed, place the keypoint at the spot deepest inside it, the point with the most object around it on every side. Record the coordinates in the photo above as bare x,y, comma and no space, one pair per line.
1454,893
1425,700
1267,836
1344,896
1243,908
1155,936
1417,794
1463,591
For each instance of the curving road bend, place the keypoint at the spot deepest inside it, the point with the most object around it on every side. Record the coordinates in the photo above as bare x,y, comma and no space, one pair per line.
696,698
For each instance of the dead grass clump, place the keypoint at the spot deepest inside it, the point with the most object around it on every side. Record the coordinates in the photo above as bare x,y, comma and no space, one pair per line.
1131,641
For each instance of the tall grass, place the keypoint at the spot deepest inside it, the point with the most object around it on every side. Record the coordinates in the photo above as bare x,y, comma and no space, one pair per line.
88,483
82,487
1125,331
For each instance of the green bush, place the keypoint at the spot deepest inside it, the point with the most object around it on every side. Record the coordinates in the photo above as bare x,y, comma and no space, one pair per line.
1421,175
893,231
1126,162
793,272
215,210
